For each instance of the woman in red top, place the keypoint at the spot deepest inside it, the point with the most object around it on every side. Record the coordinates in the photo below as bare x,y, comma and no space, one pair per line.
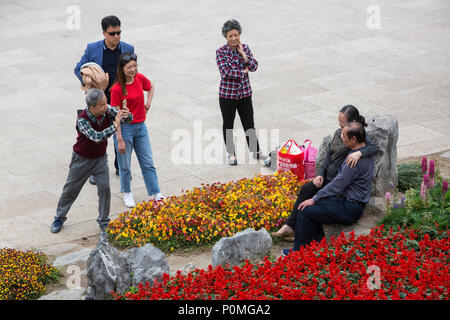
128,92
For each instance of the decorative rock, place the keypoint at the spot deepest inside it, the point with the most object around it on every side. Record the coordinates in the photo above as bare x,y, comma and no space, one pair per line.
383,131
245,245
147,264
109,270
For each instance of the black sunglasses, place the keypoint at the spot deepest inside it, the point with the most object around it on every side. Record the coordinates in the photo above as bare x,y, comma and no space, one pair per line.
112,34
127,57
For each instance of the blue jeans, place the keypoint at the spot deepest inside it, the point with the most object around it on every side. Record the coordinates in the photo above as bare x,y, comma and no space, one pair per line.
327,211
136,137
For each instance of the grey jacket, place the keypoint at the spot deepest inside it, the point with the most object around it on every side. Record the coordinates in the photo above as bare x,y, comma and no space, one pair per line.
351,183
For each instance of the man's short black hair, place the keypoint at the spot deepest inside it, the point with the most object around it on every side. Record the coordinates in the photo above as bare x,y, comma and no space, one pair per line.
356,129
110,21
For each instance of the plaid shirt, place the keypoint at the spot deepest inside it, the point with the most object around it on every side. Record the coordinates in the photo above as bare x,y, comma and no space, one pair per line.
98,136
234,83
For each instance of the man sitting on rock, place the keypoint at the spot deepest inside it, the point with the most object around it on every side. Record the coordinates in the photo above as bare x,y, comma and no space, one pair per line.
342,201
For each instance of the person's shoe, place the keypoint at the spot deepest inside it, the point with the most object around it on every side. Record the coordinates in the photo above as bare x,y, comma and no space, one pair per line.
129,200
56,226
92,180
286,252
159,197
117,172
232,160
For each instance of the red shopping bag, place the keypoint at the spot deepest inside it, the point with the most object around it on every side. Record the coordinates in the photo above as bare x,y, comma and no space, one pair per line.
290,160
309,159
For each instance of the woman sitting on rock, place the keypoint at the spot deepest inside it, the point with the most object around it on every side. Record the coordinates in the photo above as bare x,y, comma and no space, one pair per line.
335,156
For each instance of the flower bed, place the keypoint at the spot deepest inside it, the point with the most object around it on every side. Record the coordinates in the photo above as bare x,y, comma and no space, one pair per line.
206,214
409,267
425,208
24,275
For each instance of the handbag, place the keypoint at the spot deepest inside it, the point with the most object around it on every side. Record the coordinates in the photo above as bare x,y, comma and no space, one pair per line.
309,159
290,157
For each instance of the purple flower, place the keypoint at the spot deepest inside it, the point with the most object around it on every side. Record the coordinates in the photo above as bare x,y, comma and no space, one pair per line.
444,186
423,190
431,170
396,205
424,164
402,201
426,180
391,184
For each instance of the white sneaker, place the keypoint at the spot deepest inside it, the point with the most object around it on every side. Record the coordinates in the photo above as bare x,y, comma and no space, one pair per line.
159,197
129,200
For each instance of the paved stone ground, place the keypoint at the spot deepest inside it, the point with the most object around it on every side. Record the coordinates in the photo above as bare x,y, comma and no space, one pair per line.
314,57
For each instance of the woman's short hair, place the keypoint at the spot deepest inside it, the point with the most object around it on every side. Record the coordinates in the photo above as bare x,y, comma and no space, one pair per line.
92,97
110,21
352,114
231,24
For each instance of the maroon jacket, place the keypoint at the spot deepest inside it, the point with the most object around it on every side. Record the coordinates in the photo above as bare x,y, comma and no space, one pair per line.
86,147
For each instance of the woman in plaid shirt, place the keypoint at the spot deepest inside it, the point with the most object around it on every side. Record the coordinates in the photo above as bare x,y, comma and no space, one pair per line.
235,61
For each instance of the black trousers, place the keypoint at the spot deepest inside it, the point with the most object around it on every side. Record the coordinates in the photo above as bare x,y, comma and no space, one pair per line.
308,191
244,108
327,211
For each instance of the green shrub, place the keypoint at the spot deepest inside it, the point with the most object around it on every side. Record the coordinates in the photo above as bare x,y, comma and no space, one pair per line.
409,175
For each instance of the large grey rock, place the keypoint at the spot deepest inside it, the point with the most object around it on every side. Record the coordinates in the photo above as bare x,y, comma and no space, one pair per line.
109,270
147,264
383,130
244,245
